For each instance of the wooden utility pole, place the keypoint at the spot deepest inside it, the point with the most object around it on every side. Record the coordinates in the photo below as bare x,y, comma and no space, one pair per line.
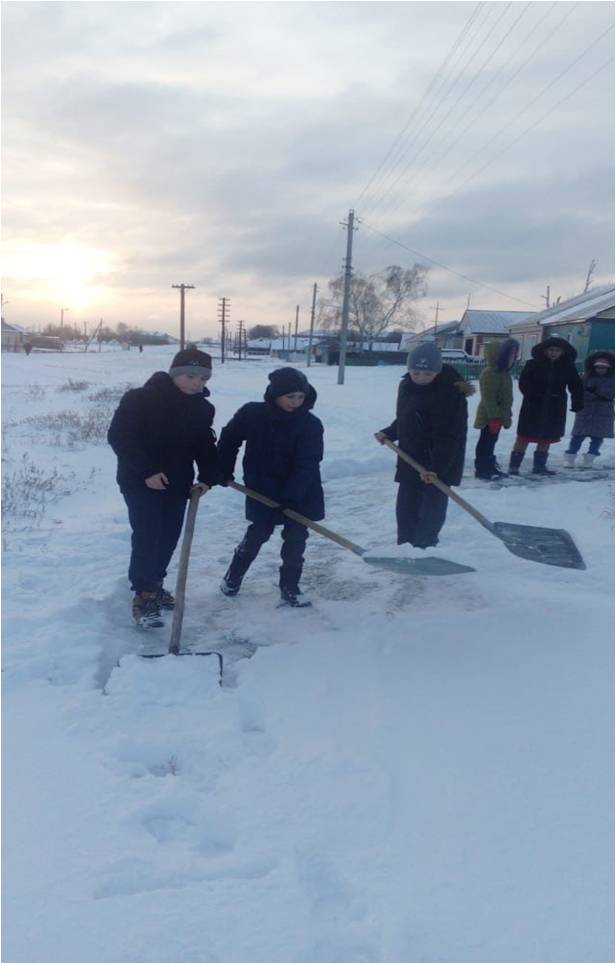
296,324
546,296
182,288
223,306
289,338
348,270
312,313
241,338
437,308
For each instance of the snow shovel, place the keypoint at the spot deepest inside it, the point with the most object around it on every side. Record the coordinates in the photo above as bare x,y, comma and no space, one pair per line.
432,566
552,547
180,593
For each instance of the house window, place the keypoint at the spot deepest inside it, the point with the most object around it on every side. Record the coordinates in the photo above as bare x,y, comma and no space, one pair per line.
468,346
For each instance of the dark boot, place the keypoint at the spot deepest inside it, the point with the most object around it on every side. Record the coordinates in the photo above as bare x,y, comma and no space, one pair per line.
539,464
232,579
515,461
294,597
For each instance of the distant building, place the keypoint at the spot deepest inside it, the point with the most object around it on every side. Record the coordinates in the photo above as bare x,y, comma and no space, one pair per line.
13,337
479,327
585,321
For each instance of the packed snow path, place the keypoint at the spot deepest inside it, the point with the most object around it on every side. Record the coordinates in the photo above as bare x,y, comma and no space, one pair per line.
413,770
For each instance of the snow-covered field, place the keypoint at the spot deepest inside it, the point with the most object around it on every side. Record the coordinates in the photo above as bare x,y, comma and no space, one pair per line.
417,769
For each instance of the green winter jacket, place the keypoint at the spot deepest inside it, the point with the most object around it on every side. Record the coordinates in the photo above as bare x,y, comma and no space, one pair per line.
496,388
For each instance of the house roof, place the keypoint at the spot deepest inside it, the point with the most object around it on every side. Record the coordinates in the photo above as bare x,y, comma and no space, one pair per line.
481,322
586,305
14,328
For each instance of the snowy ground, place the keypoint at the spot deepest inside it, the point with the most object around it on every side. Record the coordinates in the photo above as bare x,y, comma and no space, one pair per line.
417,769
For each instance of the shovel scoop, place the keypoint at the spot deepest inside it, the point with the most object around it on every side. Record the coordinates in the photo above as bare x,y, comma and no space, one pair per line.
431,566
551,547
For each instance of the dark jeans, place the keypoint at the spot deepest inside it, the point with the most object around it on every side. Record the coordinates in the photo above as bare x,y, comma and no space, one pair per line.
421,510
294,537
575,444
156,520
485,461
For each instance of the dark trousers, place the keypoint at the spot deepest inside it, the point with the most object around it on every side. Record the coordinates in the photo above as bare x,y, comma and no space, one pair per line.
420,512
294,537
156,520
485,461
575,444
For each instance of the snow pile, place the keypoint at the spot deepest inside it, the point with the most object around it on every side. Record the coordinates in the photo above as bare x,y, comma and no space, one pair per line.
413,770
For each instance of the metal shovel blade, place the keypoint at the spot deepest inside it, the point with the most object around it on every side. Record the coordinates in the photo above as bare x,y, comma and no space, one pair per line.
430,566
552,547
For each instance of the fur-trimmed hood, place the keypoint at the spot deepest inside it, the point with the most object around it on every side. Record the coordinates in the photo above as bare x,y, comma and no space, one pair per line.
538,352
595,356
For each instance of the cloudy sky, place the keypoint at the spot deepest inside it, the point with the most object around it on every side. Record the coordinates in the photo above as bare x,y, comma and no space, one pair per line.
148,144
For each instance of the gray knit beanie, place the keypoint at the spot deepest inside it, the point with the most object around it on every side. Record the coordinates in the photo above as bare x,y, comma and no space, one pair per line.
425,357
191,361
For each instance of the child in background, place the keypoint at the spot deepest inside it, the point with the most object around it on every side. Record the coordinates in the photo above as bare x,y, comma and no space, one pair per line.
597,417
157,433
430,425
284,446
543,382
494,409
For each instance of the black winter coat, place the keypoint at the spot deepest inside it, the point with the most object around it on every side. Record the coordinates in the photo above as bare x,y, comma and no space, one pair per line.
430,425
281,459
544,385
158,428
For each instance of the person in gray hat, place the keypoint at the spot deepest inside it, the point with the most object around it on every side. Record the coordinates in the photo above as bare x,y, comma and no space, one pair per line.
158,433
430,425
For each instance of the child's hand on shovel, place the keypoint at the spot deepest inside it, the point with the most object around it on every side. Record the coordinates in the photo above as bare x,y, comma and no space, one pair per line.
200,487
428,477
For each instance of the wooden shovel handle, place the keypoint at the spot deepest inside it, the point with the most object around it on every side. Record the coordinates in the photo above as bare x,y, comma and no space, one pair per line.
442,486
180,586
345,543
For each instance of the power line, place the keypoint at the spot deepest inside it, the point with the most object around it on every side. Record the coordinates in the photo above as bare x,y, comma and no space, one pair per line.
440,264
436,78
453,106
443,99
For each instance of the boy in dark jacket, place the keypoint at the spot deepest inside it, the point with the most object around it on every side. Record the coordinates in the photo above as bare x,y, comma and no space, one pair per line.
544,381
157,433
596,419
430,425
284,446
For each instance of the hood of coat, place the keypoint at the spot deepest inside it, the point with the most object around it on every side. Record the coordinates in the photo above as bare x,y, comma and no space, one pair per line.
447,376
306,405
163,384
501,355
589,368
538,351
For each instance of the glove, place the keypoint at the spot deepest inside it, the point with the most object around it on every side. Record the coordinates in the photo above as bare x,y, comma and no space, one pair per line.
225,482
495,425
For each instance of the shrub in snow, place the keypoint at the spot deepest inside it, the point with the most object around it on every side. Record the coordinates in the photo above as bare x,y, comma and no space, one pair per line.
71,386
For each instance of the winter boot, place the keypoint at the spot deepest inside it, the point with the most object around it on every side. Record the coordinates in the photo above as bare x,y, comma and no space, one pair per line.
294,597
589,460
569,459
146,610
165,599
515,461
539,464
232,579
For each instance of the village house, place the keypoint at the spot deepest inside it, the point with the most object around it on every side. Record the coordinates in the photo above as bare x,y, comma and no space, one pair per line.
586,322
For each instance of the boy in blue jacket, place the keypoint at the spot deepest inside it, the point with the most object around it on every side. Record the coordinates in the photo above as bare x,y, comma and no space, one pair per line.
284,446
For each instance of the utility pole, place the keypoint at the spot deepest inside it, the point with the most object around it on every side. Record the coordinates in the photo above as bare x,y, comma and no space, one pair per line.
62,310
348,270
468,301
437,308
591,268
296,324
312,313
289,338
240,338
182,290
223,305
546,296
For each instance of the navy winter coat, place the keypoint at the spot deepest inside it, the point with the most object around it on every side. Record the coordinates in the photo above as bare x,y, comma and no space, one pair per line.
544,385
430,425
281,459
159,428
597,416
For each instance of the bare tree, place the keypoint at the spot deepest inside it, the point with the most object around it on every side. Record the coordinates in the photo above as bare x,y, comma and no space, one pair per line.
377,302
263,331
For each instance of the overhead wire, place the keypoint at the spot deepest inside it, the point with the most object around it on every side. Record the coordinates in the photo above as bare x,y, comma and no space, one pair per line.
462,72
